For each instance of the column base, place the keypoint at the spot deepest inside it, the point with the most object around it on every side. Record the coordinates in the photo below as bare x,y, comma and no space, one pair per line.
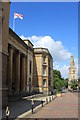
23,93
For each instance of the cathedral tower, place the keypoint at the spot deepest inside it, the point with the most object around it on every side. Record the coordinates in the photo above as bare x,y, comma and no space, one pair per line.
72,70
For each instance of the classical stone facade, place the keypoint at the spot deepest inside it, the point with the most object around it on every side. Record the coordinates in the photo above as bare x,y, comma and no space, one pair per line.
25,70
72,71
43,71
17,64
30,53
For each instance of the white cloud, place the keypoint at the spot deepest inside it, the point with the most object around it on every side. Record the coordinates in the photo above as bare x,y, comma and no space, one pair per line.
64,70
22,37
56,48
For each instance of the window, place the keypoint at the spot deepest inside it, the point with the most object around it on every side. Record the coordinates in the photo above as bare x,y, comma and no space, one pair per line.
30,66
44,70
43,59
44,82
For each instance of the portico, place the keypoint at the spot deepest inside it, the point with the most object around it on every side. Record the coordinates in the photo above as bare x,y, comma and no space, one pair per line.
17,68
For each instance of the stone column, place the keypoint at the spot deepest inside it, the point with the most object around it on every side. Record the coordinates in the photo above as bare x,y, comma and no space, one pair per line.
17,72
23,80
10,73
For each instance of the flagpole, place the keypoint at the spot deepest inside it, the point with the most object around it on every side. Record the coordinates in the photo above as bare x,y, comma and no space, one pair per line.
13,23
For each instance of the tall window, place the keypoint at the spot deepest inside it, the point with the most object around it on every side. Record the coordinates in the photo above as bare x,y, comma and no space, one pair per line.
44,70
43,59
44,82
30,66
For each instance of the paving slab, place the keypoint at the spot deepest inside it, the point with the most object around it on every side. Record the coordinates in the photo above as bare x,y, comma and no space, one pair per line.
62,107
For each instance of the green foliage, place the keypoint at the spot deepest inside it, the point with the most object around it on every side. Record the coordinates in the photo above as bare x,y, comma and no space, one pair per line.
66,82
74,84
58,85
59,82
57,73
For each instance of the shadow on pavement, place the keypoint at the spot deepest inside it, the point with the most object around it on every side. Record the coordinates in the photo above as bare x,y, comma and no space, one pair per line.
19,107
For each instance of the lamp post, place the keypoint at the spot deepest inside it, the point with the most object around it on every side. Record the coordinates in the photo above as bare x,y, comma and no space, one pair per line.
7,113
32,103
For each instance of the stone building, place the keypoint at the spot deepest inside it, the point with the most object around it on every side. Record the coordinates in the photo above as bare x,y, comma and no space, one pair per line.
72,71
4,32
25,70
30,52
43,71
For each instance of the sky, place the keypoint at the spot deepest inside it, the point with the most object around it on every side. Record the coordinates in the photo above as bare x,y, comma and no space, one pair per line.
51,25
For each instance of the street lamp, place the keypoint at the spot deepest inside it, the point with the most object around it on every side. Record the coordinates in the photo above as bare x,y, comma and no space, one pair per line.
7,113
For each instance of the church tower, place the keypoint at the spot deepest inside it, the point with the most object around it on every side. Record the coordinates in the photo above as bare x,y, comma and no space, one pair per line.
72,71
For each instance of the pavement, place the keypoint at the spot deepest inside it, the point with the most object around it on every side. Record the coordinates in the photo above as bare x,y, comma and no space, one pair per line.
61,107
19,109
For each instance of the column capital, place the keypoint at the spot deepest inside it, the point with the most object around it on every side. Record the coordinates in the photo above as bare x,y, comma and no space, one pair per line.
18,51
23,55
11,46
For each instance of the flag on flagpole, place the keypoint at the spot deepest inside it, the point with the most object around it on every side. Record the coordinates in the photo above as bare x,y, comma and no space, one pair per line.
16,15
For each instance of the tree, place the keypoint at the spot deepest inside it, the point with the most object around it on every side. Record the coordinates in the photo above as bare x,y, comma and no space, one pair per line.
66,82
57,73
58,81
58,85
74,84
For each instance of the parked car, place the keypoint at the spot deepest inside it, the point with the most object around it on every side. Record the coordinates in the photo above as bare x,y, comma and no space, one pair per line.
75,90
63,91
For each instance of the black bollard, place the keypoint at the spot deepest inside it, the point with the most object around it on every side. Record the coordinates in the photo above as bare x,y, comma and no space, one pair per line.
42,102
6,117
50,99
46,100
32,109
32,103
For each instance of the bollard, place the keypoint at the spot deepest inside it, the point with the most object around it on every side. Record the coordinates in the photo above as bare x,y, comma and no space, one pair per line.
32,103
46,100
42,102
50,99
7,113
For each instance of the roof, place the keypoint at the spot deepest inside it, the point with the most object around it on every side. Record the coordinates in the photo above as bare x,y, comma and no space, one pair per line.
28,41
17,37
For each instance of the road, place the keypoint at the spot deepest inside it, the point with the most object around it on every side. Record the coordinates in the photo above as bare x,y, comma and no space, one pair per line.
61,107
